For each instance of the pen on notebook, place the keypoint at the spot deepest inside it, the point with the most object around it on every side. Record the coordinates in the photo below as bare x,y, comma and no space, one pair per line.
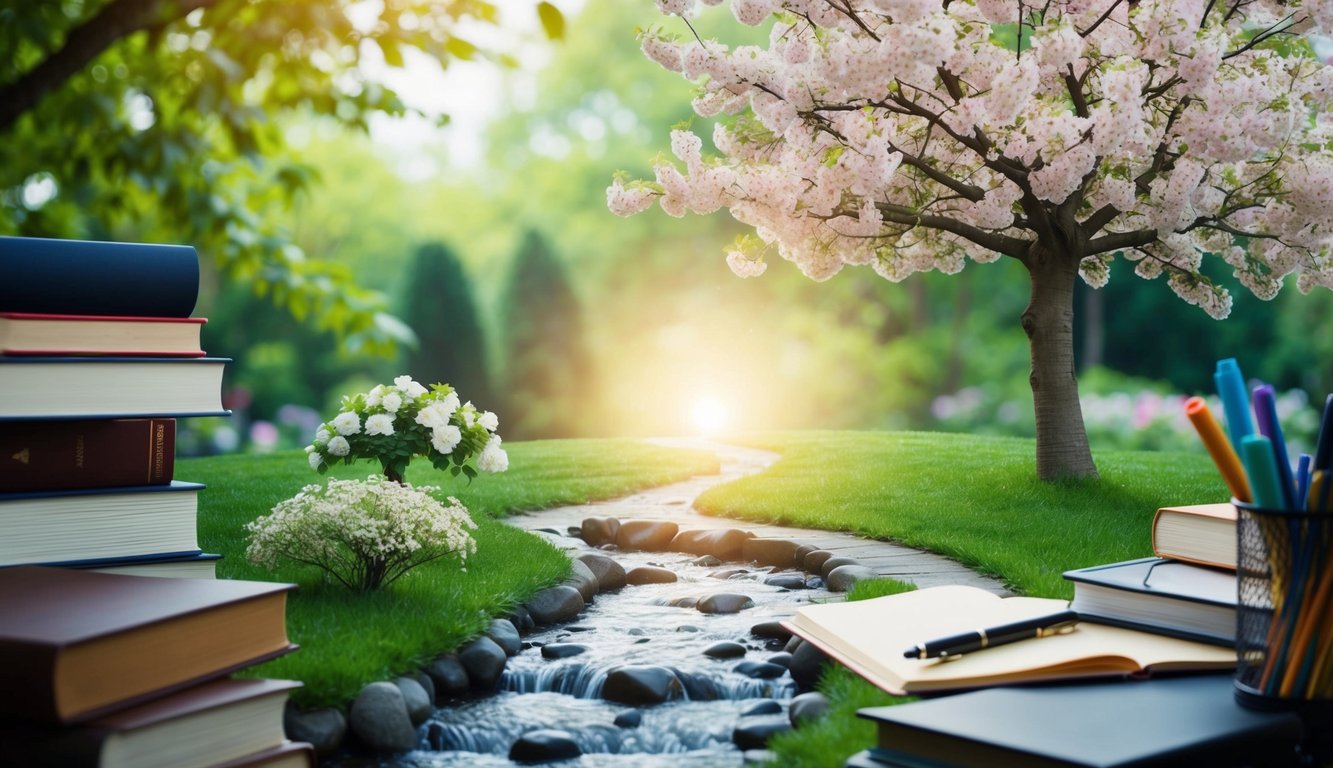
977,639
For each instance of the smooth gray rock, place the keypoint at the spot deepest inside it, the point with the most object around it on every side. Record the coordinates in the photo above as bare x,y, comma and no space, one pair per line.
759,670
725,650
650,574
722,543
324,729
765,707
484,662
724,602
754,732
836,561
844,577
639,685
707,561
518,616
562,650
600,531
427,684
786,580
812,562
782,659
610,574
630,718
556,604
379,719
545,745
449,677
806,708
770,629
778,552
584,580
807,662
505,635
415,698
646,535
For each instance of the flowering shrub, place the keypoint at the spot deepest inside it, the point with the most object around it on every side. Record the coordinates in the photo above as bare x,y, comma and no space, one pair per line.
364,533
392,424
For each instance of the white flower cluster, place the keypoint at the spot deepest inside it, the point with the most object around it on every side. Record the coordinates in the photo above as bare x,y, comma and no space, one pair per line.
393,423
363,533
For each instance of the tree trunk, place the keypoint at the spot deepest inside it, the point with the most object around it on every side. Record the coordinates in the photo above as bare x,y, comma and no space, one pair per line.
1062,440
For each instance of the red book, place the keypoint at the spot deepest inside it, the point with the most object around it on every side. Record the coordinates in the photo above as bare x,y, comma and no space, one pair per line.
27,333
78,644
67,455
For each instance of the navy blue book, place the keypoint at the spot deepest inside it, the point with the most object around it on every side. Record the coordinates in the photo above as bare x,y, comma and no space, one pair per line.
87,277
1168,721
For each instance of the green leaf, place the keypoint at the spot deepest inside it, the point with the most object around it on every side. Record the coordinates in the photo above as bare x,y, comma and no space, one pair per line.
553,21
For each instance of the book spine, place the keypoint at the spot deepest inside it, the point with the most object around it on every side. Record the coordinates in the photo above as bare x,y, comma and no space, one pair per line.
81,277
25,677
71,455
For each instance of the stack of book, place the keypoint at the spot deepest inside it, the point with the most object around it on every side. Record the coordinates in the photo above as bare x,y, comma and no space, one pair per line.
102,665
98,358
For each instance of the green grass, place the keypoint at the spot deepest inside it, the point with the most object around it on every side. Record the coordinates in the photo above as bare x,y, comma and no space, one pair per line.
975,499
348,640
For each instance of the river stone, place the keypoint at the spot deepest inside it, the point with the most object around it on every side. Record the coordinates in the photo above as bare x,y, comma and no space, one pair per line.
814,582
770,629
754,732
427,684
759,670
610,574
844,577
584,580
650,574
801,551
688,601
520,618
725,650
449,677
724,602
836,561
630,718
379,719
765,707
722,543
562,650
323,729
556,604
415,698
786,580
600,531
806,663
729,573
484,662
782,659
779,552
814,561
646,535
806,708
638,685
505,635
707,561
544,745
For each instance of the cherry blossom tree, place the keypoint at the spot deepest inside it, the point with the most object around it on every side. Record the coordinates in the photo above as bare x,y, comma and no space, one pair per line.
911,135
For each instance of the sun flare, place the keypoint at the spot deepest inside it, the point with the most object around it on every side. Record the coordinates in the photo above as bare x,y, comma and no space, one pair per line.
709,415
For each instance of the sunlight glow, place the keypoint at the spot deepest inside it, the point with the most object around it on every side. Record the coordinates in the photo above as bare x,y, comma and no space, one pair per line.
709,415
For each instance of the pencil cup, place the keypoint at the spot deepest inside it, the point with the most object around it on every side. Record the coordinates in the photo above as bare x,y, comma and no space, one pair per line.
1284,612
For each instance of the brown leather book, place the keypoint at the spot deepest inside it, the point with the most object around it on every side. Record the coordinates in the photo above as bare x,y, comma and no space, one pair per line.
68,455
203,725
78,644
293,754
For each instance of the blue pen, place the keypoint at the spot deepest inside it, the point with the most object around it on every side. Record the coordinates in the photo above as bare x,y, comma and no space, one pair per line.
1323,454
1235,402
1302,479
1257,453
1265,412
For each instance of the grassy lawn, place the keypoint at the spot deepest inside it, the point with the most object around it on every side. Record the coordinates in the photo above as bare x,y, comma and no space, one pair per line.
975,499
349,640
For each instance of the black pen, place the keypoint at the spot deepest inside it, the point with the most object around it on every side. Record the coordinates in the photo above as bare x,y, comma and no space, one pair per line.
977,639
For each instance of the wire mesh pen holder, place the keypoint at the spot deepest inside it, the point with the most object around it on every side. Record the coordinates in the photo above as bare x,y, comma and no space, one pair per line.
1284,612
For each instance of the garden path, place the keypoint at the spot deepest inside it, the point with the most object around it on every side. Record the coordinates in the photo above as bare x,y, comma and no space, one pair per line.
675,502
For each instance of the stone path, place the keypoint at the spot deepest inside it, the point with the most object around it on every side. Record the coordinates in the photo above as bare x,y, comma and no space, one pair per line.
675,502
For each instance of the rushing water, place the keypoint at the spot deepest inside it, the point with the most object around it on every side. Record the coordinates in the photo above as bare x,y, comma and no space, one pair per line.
639,625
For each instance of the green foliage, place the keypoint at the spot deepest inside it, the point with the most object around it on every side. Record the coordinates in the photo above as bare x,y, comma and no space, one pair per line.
441,311
547,371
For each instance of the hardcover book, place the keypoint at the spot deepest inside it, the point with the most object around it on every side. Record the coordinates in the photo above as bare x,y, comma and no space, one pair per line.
200,726
1203,534
79,644
24,333
188,565
99,523
87,277
68,455
107,387
870,637
293,754
1158,595
1178,721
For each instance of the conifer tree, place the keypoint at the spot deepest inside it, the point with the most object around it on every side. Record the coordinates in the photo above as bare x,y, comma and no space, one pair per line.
440,308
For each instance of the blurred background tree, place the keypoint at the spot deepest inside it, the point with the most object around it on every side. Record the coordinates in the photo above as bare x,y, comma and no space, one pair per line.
439,308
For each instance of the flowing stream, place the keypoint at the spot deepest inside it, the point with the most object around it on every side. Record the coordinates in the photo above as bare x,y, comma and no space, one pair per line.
653,624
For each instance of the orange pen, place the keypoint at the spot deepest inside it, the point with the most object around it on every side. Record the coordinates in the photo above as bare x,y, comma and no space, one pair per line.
1224,456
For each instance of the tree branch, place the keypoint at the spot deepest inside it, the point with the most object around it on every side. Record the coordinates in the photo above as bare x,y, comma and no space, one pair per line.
83,44
968,191
1118,241
992,241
